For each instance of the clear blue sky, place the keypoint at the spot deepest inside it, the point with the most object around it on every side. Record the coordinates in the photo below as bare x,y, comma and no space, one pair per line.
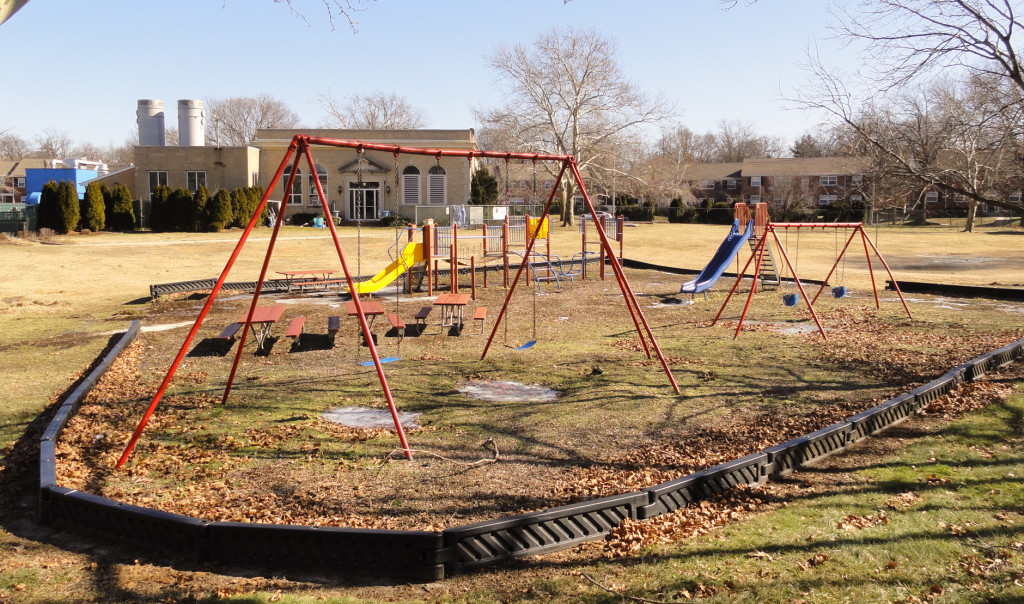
80,67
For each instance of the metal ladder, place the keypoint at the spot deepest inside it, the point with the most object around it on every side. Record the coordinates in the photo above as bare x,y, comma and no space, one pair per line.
769,272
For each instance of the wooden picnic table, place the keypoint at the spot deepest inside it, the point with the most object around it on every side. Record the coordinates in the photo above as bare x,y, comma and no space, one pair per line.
452,306
371,309
301,277
262,323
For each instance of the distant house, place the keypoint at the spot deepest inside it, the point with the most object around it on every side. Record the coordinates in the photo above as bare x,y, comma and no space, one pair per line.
814,182
13,184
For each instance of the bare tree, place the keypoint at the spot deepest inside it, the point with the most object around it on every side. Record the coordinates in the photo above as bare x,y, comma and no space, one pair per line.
12,146
565,94
53,144
336,9
961,140
234,121
375,111
738,140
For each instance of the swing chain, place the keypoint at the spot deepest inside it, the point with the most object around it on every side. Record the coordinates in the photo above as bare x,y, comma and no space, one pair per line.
533,191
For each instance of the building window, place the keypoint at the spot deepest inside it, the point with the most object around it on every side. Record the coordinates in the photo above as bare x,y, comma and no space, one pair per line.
755,199
731,184
516,201
321,173
6,198
856,198
19,182
755,181
522,185
411,186
255,179
707,184
778,199
1014,197
826,200
195,179
436,186
857,179
931,197
157,178
295,197
828,181
548,184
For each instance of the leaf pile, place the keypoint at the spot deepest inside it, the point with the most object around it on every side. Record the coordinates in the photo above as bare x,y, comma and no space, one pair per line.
698,519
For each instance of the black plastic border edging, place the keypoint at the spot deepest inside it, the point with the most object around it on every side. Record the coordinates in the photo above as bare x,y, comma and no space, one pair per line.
959,291
429,556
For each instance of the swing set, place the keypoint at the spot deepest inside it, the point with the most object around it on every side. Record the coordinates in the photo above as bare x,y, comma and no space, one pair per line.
299,149
763,228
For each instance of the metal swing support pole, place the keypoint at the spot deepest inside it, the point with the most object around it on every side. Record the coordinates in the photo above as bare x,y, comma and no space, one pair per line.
867,241
206,307
367,335
836,265
263,273
522,265
627,291
796,278
758,253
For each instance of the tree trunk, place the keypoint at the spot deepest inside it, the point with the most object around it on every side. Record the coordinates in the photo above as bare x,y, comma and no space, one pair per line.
568,211
972,211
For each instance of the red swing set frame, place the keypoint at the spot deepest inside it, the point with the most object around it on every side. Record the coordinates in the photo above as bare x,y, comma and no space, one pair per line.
298,149
764,227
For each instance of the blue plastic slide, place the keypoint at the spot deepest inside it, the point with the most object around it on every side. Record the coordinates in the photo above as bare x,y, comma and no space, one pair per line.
729,248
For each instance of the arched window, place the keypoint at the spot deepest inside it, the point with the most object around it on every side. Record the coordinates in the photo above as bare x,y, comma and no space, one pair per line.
295,197
321,173
436,189
411,186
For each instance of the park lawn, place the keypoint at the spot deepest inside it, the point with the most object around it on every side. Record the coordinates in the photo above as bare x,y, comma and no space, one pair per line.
63,321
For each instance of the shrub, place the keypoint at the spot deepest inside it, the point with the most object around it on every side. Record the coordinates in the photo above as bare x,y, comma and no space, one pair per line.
46,215
93,208
160,219
180,210
483,188
121,209
395,219
218,214
197,210
68,212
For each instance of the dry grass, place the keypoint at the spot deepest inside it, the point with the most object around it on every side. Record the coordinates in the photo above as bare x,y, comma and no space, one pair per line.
63,298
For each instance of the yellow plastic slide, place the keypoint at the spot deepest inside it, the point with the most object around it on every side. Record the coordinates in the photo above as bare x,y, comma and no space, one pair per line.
411,254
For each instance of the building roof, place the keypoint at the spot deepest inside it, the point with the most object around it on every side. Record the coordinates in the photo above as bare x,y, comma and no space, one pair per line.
18,167
804,166
712,171
448,139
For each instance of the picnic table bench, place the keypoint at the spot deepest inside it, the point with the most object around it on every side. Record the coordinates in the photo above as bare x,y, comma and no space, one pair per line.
230,331
480,314
398,324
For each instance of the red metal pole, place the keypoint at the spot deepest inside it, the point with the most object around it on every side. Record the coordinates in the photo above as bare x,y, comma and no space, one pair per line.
263,273
522,265
799,285
840,257
758,251
206,307
367,334
753,286
627,291
472,272
871,270
895,285
455,258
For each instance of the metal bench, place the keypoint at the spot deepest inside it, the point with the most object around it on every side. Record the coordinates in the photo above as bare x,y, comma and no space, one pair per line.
333,327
